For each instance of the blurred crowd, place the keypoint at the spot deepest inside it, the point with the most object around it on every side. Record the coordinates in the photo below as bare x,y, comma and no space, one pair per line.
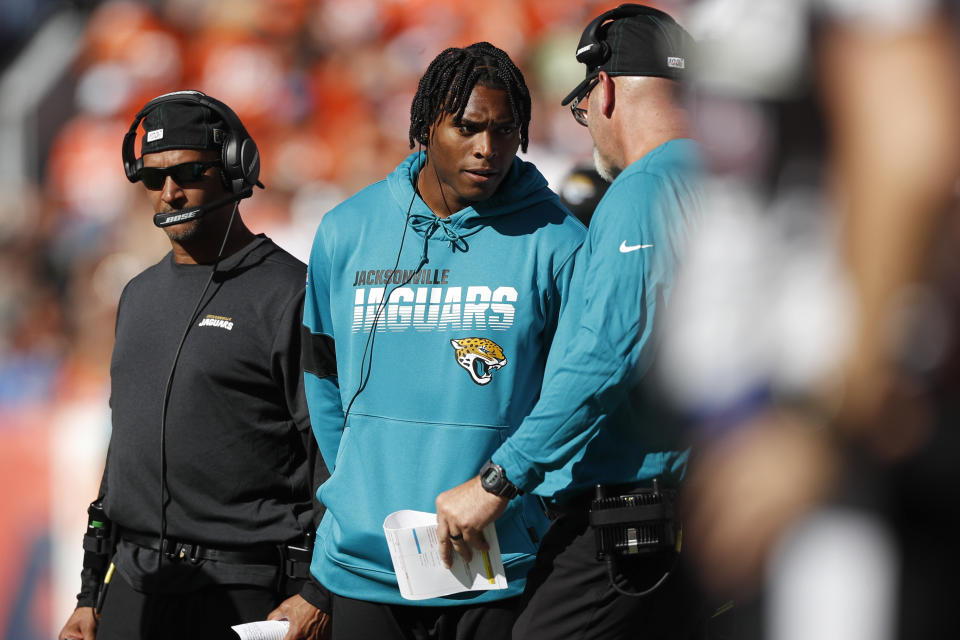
798,212
323,86
815,339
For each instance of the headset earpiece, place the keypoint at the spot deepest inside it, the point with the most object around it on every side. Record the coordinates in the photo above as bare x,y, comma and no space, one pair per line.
593,49
594,54
131,164
240,158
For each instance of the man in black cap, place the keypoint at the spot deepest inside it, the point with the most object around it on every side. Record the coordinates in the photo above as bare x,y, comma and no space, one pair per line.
610,568
205,513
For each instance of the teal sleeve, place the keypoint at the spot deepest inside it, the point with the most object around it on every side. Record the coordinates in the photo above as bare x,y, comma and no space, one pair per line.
320,379
560,296
605,338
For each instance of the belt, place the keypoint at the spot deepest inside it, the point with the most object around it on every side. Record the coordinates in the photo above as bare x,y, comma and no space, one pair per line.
194,551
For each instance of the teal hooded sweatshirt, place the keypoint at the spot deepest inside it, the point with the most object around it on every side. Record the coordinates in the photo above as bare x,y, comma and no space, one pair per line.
440,375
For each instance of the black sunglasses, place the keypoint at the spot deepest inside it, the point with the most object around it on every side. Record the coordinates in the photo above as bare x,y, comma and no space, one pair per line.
580,115
185,173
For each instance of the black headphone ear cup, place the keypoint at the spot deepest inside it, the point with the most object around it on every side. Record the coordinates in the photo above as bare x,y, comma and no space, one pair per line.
249,162
131,165
229,155
241,162
595,54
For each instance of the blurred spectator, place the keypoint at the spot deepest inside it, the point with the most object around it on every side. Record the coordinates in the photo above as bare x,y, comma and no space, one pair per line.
581,191
816,333
18,19
325,87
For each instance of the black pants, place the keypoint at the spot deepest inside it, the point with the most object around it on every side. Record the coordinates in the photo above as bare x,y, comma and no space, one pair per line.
569,595
359,620
208,613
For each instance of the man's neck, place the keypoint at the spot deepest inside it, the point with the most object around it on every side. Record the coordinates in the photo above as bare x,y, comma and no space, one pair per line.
637,147
204,250
431,191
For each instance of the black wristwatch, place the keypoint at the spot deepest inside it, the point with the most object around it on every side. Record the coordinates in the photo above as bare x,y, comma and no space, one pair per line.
494,480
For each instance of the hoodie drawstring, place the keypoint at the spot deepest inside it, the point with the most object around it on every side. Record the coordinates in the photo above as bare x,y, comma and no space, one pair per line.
428,225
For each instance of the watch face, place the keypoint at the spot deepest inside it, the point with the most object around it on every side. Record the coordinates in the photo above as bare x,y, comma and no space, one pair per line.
490,477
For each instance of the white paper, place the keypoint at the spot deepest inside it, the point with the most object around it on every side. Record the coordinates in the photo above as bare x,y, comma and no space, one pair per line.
414,549
262,630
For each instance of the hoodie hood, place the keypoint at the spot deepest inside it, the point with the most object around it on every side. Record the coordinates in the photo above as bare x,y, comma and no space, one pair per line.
523,187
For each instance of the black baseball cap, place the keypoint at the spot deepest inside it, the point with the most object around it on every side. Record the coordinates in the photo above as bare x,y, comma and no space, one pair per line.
182,125
633,40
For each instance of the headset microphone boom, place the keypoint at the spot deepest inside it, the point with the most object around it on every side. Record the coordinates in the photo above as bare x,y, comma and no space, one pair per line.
186,215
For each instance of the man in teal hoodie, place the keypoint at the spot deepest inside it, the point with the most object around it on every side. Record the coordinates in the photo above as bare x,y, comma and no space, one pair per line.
598,420
432,300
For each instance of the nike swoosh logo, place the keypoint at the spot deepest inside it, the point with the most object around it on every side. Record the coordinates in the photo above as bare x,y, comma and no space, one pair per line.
625,248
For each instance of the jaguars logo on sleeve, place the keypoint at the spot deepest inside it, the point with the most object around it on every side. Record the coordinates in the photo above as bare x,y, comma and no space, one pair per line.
480,357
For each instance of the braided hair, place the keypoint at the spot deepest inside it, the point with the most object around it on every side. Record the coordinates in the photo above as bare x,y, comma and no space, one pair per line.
449,80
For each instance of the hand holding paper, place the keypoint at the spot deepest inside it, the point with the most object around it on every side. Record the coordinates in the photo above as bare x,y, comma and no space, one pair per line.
415,551
262,630
467,510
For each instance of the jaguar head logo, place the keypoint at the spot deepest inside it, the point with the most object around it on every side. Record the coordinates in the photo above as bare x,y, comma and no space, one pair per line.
480,357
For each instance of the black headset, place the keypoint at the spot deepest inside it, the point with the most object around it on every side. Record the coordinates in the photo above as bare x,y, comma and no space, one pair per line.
240,159
593,49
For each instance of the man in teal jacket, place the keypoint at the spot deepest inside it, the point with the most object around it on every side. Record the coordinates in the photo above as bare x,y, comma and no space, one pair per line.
598,421
432,299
